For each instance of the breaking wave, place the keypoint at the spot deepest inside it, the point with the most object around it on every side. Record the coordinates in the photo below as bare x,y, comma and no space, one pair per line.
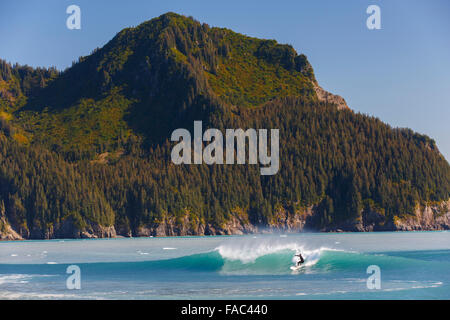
246,258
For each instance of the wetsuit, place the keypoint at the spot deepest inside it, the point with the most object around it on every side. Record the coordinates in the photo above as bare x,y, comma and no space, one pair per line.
301,259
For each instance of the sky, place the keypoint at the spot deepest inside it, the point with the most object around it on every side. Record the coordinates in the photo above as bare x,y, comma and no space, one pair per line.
399,73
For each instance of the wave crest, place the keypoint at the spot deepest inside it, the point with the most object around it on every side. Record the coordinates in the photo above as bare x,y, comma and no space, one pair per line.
267,257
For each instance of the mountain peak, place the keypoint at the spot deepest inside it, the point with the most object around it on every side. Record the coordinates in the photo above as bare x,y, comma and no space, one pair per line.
162,72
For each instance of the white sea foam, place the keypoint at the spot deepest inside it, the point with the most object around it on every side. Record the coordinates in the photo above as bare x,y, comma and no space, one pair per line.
18,278
8,295
249,251
14,278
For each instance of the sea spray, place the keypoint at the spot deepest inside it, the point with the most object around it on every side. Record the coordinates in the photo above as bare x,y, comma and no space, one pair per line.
265,256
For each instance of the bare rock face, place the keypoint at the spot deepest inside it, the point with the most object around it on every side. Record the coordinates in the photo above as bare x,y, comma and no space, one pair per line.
328,97
237,224
188,225
67,229
299,221
430,217
98,231
6,232
433,217
126,232
372,221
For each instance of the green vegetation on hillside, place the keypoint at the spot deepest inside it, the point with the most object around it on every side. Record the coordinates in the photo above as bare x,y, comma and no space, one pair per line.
90,146
80,127
153,73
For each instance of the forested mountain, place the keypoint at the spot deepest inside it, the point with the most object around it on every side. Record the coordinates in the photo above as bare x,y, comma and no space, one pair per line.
86,152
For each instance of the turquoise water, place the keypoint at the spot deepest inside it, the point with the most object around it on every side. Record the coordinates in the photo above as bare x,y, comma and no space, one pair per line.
414,265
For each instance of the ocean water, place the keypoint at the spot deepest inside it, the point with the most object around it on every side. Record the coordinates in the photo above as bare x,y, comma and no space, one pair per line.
413,265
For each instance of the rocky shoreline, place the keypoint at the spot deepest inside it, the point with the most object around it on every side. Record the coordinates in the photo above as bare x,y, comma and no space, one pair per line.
425,218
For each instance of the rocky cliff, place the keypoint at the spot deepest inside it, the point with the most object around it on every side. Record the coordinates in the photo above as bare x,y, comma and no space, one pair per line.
6,232
426,218
328,97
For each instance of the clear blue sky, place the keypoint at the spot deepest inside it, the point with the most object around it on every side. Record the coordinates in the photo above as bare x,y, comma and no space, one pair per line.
400,73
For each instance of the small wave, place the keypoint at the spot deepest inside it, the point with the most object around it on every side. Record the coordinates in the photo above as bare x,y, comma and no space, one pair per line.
10,295
407,285
14,278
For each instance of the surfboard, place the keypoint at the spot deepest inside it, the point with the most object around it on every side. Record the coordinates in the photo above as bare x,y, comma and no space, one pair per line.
295,268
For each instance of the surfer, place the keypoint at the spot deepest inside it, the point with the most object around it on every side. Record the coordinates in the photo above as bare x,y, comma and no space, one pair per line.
300,259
